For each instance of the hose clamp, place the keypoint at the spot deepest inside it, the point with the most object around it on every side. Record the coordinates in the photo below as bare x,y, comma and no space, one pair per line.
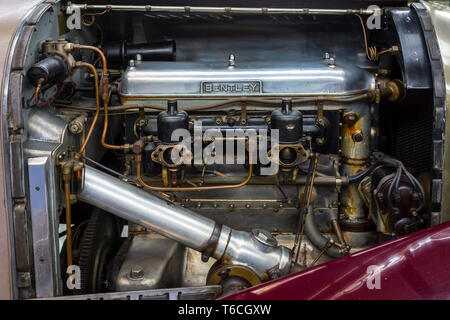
212,242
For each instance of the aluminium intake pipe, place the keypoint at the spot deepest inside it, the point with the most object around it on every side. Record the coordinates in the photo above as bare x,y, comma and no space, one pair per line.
257,250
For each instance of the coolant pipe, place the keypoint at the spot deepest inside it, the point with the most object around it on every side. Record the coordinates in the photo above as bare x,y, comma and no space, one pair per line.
221,242
317,238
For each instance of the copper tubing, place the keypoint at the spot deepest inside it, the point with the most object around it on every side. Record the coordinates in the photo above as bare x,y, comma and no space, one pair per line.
105,82
263,180
105,130
36,94
265,103
305,206
38,88
219,187
68,225
97,101
105,95
100,52
327,246
308,199
338,231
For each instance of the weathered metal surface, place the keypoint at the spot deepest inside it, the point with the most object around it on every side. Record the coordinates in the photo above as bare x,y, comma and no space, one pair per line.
193,293
355,154
157,258
440,18
44,226
11,22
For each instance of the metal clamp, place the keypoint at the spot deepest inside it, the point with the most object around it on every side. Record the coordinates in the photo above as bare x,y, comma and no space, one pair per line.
212,242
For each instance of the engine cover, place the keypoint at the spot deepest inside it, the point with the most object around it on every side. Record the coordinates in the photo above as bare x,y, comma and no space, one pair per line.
145,80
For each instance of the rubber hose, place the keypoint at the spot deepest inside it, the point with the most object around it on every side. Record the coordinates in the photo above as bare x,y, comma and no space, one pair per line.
317,238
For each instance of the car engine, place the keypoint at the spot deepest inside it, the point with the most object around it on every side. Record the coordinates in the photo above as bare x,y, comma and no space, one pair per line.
185,151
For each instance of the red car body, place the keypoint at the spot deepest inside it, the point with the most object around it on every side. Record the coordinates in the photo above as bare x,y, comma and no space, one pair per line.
416,266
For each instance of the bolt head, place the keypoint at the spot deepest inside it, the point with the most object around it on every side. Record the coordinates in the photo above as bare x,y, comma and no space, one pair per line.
231,60
136,272
358,137
350,118
231,122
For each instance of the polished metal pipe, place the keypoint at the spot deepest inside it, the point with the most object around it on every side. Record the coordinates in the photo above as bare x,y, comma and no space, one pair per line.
182,225
262,180
218,10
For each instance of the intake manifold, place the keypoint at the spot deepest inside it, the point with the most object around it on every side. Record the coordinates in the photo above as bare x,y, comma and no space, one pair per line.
256,250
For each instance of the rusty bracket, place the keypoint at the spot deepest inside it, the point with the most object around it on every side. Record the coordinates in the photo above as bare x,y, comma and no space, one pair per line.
320,120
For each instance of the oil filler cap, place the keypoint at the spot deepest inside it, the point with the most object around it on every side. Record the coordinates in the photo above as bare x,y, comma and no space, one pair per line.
264,237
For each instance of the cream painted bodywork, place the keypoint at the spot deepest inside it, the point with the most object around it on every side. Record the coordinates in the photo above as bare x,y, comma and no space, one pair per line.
12,14
440,15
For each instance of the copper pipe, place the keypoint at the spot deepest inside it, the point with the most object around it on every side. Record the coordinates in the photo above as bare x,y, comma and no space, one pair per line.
304,208
36,94
100,52
54,98
265,103
97,101
219,187
327,246
260,180
311,185
38,88
338,231
105,96
105,130
68,225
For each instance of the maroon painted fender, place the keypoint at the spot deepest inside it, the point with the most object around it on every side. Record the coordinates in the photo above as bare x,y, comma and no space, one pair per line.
416,266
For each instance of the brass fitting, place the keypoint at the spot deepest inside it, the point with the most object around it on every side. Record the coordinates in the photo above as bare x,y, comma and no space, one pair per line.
393,90
138,147
70,165
126,147
105,88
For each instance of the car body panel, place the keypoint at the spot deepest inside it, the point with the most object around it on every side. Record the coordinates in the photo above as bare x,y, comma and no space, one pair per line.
440,16
11,19
416,266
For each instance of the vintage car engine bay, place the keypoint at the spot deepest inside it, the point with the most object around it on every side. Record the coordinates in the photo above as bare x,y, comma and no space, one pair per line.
190,151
